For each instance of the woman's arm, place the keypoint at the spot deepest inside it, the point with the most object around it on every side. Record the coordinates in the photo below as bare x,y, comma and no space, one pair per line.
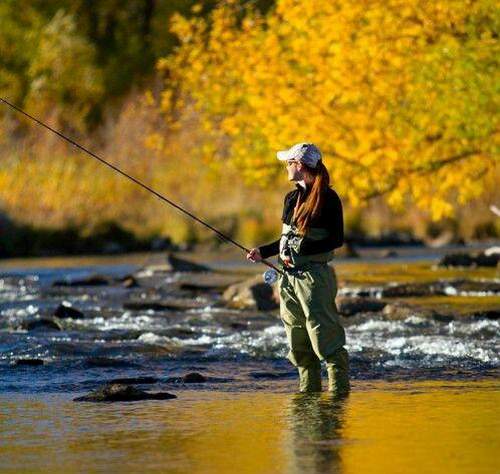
270,250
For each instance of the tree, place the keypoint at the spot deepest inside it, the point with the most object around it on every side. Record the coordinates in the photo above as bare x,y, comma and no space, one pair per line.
401,96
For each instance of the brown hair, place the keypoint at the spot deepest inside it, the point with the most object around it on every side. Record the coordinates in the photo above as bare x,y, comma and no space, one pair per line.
310,208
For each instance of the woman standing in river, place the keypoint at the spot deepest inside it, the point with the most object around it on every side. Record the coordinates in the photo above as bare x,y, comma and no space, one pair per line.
312,229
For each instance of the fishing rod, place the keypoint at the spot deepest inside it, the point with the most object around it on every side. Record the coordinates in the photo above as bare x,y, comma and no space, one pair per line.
269,276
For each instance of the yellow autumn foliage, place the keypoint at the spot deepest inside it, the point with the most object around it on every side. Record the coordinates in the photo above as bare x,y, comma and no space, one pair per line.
401,96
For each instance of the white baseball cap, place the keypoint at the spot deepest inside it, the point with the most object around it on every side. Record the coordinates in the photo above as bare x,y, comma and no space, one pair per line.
306,153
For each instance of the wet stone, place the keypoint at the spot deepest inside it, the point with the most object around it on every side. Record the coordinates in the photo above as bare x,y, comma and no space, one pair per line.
133,380
64,311
192,377
93,280
122,393
493,314
108,362
442,287
350,306
251,294
181,265
162,305
396,311
129,282
30,362
408,289
41,324
480,259
269,375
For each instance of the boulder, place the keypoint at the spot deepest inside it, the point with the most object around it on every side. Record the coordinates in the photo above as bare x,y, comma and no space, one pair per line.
122,393
181,265
481,259
493,314
108,362
41,324
441,287
64,311
133,380
388,254
31,362
398,310
350,306
468,286
163,305
269,375
251,294
92,280
408,289
192,377
129,281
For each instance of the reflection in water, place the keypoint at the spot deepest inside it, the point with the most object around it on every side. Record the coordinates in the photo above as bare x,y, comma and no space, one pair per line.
316,426
382,428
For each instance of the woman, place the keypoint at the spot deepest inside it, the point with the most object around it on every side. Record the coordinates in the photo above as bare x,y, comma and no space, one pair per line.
312,229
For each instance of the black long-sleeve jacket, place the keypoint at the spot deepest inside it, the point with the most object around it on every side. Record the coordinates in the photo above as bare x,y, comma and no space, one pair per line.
330,217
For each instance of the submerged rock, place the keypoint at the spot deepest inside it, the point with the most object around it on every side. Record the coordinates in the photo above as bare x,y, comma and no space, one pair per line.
108,362
122,393
441,287
181,265
129,282
251,294
93,280
493,314
32,362
481,259
270,375
41,324
399,310
408,289
163,305
349,306
192,377
201,287
64,311
133,380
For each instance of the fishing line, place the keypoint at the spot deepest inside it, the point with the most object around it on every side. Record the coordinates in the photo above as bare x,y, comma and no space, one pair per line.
269,276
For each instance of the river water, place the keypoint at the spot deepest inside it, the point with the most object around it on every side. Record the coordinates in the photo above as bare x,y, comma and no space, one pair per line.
424,399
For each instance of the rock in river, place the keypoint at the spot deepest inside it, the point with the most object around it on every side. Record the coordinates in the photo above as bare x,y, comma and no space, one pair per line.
41,324
251,294
192,377
350,306
182,265
122,393
65,311
481,259
32,362
92,280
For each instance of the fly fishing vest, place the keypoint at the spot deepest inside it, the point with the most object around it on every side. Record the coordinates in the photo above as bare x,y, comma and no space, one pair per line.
291,242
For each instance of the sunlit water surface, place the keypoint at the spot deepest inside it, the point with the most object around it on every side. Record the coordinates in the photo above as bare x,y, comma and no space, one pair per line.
438,414
382,427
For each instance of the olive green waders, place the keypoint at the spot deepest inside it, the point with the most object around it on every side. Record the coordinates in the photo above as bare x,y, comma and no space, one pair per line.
310,317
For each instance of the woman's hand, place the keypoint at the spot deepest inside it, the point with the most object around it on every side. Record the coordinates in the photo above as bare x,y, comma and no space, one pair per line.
254,255
287,261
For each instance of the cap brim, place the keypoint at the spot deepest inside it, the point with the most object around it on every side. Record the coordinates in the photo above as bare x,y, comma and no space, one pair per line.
282,155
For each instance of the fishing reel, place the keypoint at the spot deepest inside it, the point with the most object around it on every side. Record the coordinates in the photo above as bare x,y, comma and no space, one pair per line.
270,276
